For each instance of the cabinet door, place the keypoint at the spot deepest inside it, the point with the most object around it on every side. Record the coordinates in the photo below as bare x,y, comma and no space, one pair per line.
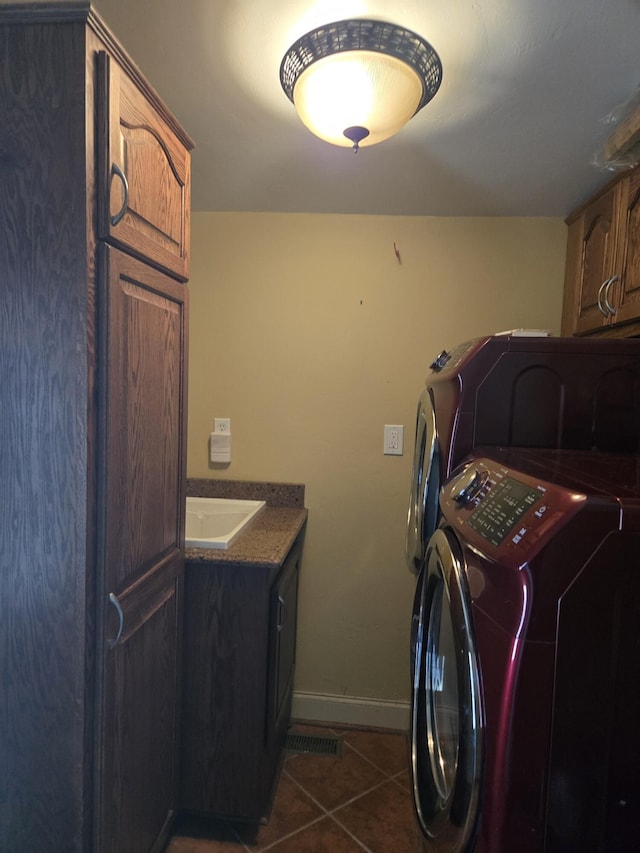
224,690
597,229
142,479
138,784
627,288
144,173
284,597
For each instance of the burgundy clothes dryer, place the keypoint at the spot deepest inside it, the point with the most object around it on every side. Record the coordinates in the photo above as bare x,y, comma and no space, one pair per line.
526,721
524,390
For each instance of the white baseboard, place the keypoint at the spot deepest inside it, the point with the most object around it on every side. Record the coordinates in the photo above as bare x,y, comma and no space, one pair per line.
351,711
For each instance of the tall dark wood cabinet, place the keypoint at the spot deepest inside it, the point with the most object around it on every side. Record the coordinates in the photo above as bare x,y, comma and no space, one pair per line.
94,236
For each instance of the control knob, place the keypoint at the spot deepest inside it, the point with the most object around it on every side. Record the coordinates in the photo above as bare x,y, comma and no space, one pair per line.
467,485
440,360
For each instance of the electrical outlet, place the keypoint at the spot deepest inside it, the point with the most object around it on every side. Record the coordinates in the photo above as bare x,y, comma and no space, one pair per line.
222,426
393,439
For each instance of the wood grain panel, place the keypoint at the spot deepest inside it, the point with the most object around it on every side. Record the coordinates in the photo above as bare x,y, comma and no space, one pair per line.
224,687
239,654
140,724
145,409
44,377
142,475
598,257
282,654
603,246
55,367
157,165
629,262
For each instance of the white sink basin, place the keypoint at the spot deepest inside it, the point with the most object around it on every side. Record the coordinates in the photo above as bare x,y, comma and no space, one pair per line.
215,522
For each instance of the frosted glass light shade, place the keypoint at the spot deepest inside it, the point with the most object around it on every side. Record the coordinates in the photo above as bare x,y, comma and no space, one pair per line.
359,81
357,89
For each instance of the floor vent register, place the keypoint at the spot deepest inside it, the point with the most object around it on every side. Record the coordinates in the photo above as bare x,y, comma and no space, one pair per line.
313,744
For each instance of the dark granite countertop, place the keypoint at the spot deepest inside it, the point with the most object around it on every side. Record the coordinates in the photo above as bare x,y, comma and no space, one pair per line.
268,538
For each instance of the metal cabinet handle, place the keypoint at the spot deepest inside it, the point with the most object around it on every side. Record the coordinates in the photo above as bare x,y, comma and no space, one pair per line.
601,307
608,305
117,171
282,615
113,600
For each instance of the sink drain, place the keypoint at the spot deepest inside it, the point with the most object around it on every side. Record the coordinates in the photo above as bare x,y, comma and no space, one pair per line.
313,744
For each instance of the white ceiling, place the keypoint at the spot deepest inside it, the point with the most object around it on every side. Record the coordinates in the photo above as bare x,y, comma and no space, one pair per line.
527,98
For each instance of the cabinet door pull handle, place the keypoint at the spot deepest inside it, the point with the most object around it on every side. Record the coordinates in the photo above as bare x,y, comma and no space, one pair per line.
117,171
601,307
116,604
608,305
282,614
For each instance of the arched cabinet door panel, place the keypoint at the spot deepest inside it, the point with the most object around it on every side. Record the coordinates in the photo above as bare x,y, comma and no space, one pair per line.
144,174
597,259
629,299
602,279
141,558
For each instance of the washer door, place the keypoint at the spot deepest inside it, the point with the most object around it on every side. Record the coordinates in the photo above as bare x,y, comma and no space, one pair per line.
447,720
422,518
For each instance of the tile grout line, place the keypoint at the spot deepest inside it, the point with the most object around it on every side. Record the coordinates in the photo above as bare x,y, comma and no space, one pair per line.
288,835
326,814
361,755
358,796
306,793
397,781
320,817
348,831
240,841
343,733
331,812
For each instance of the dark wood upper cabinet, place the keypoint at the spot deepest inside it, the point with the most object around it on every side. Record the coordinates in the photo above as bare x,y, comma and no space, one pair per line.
93,336
602,280
629,286
596,236
144,167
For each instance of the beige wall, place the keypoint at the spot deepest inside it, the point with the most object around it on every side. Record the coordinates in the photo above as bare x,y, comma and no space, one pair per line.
310,336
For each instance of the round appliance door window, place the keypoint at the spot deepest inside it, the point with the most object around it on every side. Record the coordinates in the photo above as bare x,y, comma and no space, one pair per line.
443,730
425,484
446,721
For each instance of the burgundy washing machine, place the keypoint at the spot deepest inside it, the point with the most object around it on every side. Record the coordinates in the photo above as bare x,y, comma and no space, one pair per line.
519,389
526,735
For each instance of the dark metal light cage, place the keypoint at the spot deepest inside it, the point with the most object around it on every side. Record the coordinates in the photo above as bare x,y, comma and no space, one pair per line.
377,36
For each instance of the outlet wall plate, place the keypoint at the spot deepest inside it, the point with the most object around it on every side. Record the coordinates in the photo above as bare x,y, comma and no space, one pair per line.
393,439
222,426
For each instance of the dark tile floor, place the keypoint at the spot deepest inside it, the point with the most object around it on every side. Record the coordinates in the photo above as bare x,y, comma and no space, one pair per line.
357,801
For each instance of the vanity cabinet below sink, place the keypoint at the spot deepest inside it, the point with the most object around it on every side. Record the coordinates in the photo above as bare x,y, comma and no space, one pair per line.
238,664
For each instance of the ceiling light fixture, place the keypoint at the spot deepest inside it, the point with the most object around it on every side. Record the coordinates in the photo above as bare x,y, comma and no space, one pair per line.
357,82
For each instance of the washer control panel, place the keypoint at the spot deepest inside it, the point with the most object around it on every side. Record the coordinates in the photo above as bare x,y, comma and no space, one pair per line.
468,485
449,361
506,510
502,508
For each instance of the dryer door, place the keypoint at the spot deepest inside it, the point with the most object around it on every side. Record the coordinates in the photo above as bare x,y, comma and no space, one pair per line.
422,518
447,721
